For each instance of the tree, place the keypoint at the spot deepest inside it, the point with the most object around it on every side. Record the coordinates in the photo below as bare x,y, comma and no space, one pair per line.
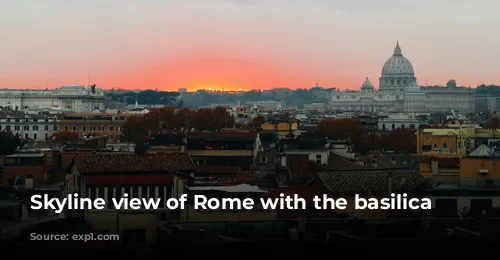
493,123
259,120
135,129
9,142
342,129
156,122
160,118
182,118
211,119
399,140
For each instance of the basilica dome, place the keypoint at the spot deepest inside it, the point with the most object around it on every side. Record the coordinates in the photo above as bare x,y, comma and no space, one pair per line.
367,85
397,65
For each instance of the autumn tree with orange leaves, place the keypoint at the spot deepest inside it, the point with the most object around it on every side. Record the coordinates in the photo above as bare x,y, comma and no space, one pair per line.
493,123
340,129
399,140
140,128
258,121
343,129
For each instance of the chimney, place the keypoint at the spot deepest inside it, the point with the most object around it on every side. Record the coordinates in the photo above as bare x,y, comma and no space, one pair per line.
389,183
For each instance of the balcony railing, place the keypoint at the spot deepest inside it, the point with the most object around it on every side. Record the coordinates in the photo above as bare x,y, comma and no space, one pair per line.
464,182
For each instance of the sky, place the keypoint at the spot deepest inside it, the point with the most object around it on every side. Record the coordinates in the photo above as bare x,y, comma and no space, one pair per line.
244,44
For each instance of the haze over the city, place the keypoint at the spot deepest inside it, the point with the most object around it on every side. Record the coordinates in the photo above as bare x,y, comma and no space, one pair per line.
235,44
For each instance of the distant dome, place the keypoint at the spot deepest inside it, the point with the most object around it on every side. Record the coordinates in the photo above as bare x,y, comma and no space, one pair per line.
397,65
367,85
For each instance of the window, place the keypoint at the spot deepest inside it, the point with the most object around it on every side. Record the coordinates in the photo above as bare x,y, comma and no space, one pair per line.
65,128
393,127
435,145
46,128
17,128
402,126
84,128
74,128
26,128
111,129
55,128
35,128
445,145
263,159
318,158
134,236
35,136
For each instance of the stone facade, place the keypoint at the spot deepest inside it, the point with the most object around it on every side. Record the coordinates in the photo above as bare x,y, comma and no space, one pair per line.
399,92
76,98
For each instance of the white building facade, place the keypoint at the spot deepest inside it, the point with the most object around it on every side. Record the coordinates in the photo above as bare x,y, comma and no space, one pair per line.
75,98
399,92
29,127
395,121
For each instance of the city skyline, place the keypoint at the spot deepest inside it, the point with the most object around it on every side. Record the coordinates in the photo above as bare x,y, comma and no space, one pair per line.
229,44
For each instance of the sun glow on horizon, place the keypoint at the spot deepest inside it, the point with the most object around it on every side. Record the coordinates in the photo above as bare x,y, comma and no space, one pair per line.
215,88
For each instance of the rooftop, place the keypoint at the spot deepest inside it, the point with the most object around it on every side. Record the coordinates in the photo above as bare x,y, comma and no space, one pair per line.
128,163
237,188
25,155
370,181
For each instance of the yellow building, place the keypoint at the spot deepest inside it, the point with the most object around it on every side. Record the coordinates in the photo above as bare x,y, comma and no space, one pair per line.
441,146
282,128
473,189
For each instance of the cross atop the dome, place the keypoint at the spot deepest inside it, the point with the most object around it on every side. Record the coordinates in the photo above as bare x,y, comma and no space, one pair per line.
397,50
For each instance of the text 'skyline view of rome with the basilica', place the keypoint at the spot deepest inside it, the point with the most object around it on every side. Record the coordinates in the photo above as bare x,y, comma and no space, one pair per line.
250,100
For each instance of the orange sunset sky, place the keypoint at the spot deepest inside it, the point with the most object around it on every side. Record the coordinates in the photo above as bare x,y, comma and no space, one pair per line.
235,44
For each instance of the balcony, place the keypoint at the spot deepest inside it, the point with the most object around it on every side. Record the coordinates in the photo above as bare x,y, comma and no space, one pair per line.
451,181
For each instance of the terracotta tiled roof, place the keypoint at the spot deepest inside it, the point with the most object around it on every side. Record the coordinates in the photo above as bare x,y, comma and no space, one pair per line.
306,193
339,163
374,181
214,169
121,163
225,133
242,177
